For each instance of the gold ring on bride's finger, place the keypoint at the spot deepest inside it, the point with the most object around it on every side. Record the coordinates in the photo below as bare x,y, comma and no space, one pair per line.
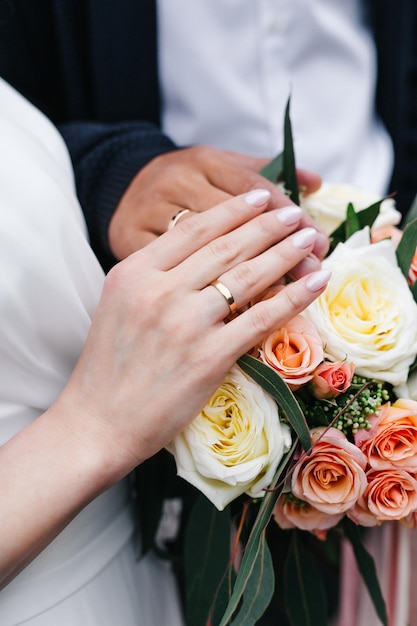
175,218
227,295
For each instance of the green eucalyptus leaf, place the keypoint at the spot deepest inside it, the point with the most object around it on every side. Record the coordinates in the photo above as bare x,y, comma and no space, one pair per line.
305,596
273,170
206,557
269,380
289,169
223,595
414,291
259,588
368,216
365,217
253,545
412,212
352,221
407,247
366,567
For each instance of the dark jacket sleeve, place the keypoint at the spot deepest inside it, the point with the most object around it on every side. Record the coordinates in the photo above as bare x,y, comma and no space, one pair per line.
395,29
91,67
106,157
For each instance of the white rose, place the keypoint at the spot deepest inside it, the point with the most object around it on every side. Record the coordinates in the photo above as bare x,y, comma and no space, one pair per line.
328,205
367,313
235,444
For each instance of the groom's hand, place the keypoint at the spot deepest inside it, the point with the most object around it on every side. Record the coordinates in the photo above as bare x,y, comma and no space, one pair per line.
196,179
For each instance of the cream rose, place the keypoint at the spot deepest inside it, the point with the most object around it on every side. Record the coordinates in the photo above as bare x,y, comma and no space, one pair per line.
332,477
235,443
294,351
367,314
327,206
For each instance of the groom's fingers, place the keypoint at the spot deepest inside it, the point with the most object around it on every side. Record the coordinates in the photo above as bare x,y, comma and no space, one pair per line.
188,236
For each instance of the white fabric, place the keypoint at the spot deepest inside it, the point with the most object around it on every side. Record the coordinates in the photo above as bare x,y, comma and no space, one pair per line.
50,282
227,68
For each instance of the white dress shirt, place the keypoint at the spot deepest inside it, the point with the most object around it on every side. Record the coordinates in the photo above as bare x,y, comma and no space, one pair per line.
227,68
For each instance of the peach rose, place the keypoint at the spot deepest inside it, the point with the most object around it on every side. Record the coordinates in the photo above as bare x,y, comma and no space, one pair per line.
392,440
361,515
332,379
410,521
332,477
391,495
294,351
412,274
289,512
387,232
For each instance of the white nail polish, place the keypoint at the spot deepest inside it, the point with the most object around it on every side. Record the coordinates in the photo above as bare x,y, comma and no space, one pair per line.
318,280
304,238
289,215
258,197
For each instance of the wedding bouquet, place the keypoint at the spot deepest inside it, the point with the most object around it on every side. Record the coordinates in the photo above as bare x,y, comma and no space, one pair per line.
363,459
314,429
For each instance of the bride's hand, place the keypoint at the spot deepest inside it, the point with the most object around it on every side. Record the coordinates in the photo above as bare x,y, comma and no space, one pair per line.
159,347
157,350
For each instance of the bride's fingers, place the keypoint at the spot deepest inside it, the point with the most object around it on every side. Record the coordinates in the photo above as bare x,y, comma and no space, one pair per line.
197,231
257,322
247,280
244,243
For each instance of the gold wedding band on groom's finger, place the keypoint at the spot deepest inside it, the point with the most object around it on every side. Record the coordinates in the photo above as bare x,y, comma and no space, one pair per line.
175,218
227,295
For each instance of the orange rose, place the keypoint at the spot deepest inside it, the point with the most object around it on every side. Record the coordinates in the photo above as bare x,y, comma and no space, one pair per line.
392,441
332,379
332,477
391,495
294,351
289,512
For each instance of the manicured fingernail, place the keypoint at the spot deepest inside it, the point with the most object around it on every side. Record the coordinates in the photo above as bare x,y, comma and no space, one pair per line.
322,244
318,280
258,197
289,215
304,238
308,265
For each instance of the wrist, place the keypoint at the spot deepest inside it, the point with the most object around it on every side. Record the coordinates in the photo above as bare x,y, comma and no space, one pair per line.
91,456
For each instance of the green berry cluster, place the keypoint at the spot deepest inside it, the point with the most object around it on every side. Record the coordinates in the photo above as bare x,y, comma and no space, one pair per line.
351,410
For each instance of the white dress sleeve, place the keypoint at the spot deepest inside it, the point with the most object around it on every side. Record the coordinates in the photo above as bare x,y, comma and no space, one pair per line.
50,283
